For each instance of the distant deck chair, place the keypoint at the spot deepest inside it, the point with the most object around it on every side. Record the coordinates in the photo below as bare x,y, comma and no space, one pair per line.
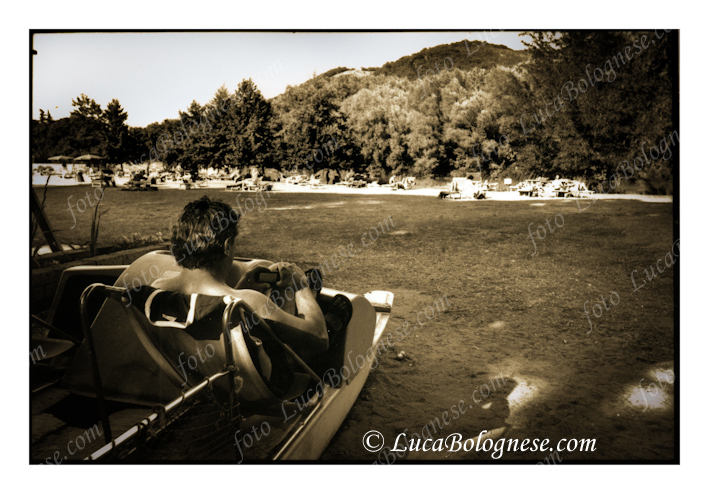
454,189
314,182
295,179
249,185
582,191
253,184
406,184
464,188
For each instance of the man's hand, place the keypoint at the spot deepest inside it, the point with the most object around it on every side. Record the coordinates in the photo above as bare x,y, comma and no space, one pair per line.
291,276
249,279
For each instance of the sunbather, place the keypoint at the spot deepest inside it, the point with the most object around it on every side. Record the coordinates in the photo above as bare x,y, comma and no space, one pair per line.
204,245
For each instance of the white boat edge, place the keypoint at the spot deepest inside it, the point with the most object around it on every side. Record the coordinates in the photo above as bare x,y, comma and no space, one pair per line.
315,432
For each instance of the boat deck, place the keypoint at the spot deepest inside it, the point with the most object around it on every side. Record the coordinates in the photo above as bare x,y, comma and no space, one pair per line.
67,427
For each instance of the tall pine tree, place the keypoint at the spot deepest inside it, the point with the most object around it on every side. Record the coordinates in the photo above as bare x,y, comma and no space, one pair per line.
115,133
250,133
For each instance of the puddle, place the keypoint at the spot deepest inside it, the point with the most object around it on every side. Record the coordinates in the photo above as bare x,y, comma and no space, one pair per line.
655,390
522,394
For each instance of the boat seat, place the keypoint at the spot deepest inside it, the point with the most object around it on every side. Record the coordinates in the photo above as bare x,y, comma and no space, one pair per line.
158,344
129,372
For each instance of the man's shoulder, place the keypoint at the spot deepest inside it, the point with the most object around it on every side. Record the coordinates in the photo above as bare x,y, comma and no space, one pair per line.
247,295
251,297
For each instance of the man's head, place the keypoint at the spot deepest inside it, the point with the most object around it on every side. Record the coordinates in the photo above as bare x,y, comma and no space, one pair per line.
203,233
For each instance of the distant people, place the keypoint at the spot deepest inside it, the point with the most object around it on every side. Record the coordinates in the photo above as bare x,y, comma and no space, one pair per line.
392,180
556,183
254,173
477,191
332,176
107,177
235,175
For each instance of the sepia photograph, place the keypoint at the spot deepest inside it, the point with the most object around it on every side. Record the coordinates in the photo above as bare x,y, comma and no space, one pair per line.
273,246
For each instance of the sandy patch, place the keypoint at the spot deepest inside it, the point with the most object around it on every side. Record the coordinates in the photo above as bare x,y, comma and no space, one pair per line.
310,206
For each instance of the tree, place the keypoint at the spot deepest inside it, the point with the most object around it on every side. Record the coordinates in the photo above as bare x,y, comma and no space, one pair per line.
609,93
116,133
380,121
183,139
135,144
249,136
215,149
86,127
312,131
86,107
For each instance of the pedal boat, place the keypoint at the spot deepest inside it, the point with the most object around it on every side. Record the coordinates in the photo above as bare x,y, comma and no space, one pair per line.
128,363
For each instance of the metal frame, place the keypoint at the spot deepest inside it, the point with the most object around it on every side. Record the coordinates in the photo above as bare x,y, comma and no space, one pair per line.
160,412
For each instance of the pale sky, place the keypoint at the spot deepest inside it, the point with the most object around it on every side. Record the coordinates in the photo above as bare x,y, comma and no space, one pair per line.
153,75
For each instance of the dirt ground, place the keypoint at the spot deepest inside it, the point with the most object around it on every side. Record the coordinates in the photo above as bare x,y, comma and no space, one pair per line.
579,390
521,332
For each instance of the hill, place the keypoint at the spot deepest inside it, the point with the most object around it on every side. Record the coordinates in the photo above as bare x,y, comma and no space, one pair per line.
464,55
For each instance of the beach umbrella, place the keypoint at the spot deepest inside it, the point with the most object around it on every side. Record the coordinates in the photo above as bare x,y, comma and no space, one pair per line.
89,157
61,158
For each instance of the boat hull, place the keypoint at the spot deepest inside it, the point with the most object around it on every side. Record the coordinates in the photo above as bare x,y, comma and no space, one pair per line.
305,429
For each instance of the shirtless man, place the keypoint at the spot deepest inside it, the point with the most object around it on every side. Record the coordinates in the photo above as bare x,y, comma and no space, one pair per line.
204,245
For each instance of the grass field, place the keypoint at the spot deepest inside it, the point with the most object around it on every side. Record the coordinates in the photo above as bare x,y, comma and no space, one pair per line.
511,312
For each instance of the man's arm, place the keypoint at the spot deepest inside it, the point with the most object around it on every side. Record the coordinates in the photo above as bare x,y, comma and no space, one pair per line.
309,310
307,330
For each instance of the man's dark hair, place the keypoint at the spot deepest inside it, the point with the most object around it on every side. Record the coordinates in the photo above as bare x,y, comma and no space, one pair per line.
199,235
